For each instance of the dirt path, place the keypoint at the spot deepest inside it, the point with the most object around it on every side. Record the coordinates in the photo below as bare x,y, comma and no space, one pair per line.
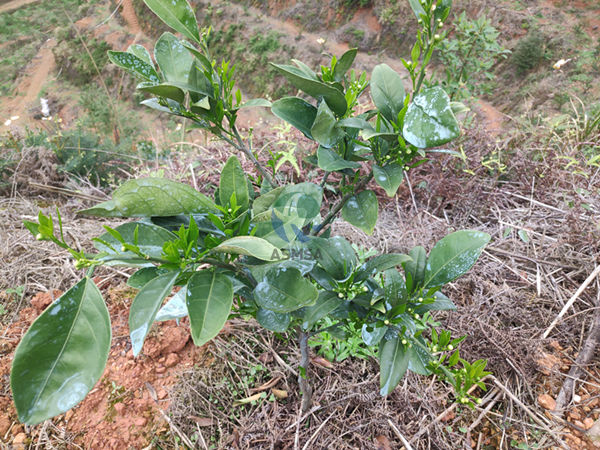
493,119
30,85
15,4
128,14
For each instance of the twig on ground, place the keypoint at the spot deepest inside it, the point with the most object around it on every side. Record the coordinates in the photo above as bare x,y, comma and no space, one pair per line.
575,296
400,436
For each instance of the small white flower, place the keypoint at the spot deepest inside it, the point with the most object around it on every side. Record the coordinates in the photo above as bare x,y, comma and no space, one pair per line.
178,127
433,8
320,41
8,122
13,118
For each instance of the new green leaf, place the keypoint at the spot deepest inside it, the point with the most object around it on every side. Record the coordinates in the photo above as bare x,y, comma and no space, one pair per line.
233,181
62,355
250,246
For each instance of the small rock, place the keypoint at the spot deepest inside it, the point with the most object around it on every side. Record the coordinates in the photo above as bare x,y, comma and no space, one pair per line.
171,360
160,369
161,394
588,423
119,407
4,426
19,439
68,415
579,423
140,422
576,398
594,432
546,402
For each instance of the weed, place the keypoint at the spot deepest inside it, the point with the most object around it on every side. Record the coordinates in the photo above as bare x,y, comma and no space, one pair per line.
529,52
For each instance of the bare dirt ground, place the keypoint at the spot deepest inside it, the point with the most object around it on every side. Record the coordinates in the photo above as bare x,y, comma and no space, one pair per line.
14,4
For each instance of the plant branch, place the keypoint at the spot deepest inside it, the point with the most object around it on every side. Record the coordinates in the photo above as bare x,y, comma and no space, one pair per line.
305,386
248,152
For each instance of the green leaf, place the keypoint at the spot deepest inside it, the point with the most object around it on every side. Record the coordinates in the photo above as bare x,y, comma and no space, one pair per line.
453,256
325,129
280,228
273,321
209,299
139,279
250,246
141,52
302,200
178,14
393,363
151,239
389,177
262,102
381,263
344,64
429,120
62,355
145,306
284,290
372,338
265,201
419,358
387,91
416,267
394,288
134,65
440,303
175,308
233,181
417,8
165,90
335,255
330,161
174,60
147,197
326,303
316,89
297,112
361,210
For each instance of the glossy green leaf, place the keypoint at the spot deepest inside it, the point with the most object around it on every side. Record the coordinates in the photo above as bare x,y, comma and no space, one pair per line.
453,256
297,112
440,303
417,8
173,106
429,120
416,267
265,201
175,308
381,263
233,181
394,287
250,246
373,337
166,90
335,255
387,91
280,228
139,279
316,89
209,299
393,363
134,65
389,177
302,200
273,321
325,304
330,161
178,14
256,102
173,59
141,52
199,85
62,355
150,241
325,129
344,64
147,197
419,358
284,290
361,210
145,306
259,271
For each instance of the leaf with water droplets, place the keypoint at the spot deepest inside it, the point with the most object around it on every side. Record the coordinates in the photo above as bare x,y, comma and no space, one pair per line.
361,210
62,355
134,65
283,290
453,256
429,120
389,177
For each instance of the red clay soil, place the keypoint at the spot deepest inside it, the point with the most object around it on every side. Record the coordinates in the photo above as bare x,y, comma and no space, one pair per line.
123,410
